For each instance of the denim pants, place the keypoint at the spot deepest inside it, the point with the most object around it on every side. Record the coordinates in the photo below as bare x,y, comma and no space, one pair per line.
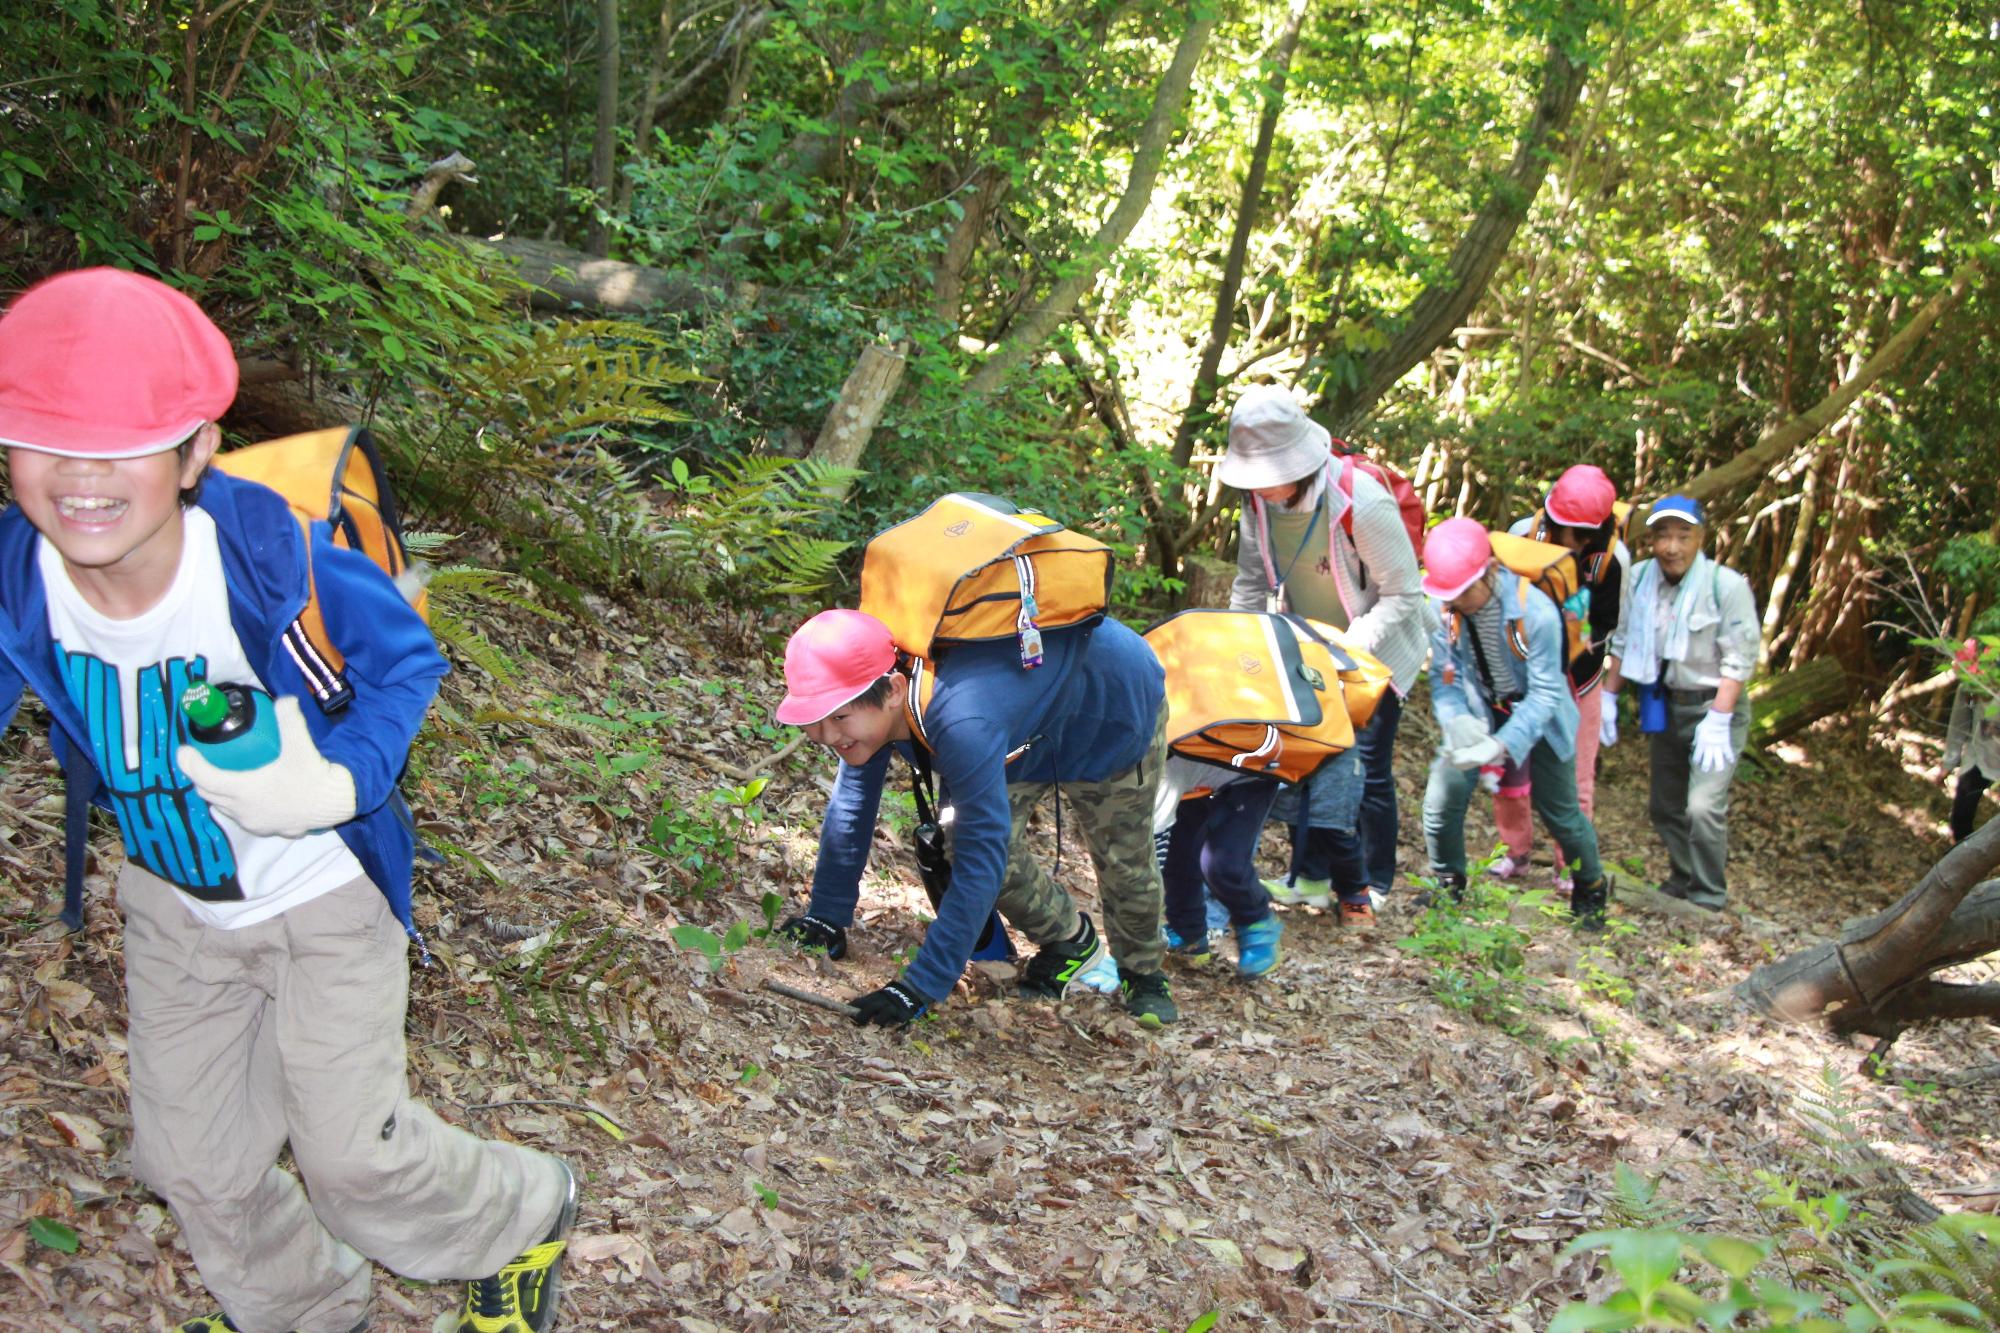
1214,842
1360,856
1450,790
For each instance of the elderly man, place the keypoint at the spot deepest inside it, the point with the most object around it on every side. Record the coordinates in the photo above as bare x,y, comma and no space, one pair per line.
1689,641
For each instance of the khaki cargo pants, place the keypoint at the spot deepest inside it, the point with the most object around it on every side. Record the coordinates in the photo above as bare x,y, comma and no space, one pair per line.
291,1030
1116,816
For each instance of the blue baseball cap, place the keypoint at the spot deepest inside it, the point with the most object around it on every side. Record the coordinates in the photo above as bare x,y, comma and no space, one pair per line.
1683,507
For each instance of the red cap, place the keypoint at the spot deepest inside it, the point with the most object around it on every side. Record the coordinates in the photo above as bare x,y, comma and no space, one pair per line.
101,363
1582,497
831,660
1456,554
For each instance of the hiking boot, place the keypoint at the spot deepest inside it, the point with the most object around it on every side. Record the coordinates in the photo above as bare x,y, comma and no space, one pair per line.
1505,868
1052,973
1450,889
1301,893
521,1298
1194,952
1257,949
1147,998
1587,903
1358,914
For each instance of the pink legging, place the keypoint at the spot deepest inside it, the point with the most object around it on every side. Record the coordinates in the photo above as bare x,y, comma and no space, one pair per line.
1512,814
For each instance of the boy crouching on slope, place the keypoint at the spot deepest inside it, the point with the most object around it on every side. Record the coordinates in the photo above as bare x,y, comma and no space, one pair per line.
265,911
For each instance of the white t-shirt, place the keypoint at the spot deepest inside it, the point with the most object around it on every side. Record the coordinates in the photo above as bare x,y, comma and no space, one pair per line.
126,678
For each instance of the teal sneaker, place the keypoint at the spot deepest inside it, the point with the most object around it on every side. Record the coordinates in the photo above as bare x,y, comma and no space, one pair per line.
1195,952
1257,949
1148,999
1057,968
1303,893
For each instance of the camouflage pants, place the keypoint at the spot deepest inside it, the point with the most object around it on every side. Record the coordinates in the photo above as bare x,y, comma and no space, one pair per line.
1116,816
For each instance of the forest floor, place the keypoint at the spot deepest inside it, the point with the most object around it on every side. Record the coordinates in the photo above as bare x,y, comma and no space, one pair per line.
1337,1146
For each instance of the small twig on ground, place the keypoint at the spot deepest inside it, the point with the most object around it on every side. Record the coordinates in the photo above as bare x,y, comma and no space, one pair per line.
841,1007
538,1101
729,770
1965,1078
29,821
1389,1305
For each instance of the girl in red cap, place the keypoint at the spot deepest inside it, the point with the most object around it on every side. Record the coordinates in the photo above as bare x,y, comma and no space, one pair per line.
1582,513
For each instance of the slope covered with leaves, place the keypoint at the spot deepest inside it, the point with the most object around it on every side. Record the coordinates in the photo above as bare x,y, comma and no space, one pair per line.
1369,1139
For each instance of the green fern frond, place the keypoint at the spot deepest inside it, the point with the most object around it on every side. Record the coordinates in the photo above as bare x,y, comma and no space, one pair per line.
1636,1202
468,644
460,584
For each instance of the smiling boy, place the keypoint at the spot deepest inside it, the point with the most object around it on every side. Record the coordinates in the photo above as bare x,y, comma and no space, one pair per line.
266,913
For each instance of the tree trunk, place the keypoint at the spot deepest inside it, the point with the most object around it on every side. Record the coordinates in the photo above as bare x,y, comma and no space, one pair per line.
1208,580
563,278
1442,307
855,413
1202,396
604,148
656,70
1036,324
1873,979
1780,440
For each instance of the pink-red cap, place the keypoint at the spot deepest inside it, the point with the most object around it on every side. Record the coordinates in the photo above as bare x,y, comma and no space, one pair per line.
1456,554
831,660
101,363
1582,497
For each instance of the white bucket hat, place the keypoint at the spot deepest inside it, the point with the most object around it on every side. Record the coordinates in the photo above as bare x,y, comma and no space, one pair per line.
1271,441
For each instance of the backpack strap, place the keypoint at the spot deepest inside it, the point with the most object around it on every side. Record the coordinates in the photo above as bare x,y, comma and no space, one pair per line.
80,784
311,649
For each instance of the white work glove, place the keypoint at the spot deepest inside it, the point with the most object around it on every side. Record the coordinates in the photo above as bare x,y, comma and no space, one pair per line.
1607,721
1464,730
1486,750
1714,750
295,794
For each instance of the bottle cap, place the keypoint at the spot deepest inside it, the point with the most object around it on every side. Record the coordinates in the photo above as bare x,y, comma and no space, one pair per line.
204,705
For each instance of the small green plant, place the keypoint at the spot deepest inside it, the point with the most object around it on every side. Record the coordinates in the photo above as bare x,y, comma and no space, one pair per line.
716,948
53,1235
1479,952
765,1194
702,838
1597,980
495,783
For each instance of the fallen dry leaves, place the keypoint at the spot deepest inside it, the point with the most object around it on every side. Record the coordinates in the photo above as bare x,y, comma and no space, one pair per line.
1329,1149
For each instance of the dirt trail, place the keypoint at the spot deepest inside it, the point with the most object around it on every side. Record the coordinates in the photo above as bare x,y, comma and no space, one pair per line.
1333,1147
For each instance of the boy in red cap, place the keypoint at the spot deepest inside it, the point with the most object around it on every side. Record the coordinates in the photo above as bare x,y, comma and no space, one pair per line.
1092,717
1580,514
266,912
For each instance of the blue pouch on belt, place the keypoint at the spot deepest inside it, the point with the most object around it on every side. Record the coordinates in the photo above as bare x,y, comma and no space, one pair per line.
1652,707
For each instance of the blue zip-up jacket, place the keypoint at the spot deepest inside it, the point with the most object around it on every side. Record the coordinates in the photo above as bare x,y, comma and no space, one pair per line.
1086,714
1547,712
392,661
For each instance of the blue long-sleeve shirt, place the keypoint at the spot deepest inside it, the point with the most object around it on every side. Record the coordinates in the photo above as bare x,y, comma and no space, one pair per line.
1546,712
1086,714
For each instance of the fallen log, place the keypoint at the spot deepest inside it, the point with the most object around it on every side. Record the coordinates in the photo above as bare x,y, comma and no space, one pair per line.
1789,702
561,278
1876,978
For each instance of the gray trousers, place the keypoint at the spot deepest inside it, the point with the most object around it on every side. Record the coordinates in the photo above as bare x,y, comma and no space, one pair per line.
1690,808
1117,820
291,1030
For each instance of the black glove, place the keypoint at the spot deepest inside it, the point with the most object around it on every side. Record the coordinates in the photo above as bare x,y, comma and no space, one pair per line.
894,1006
809,932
